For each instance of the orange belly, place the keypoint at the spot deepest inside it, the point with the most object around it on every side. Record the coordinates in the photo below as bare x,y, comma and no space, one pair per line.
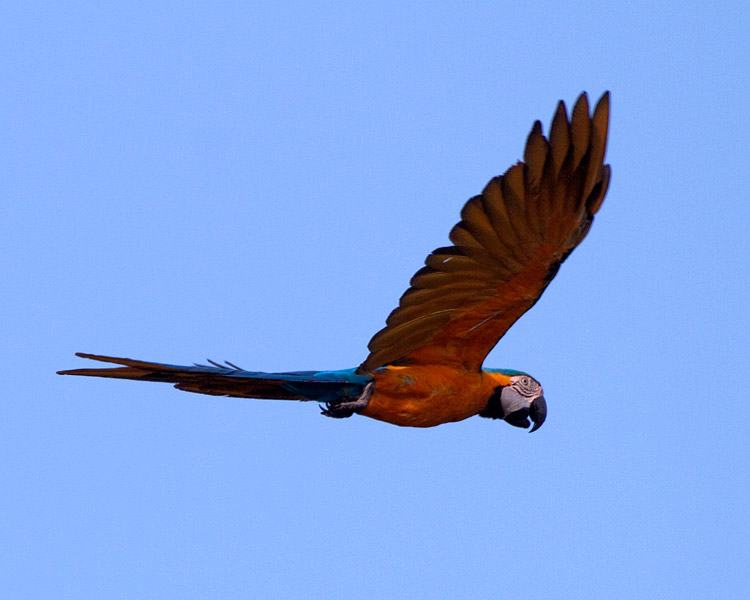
425,396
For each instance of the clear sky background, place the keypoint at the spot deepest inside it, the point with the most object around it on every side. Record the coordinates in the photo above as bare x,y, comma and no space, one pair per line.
257,182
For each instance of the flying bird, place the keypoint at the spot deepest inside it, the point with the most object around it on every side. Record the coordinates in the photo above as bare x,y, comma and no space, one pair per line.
424,368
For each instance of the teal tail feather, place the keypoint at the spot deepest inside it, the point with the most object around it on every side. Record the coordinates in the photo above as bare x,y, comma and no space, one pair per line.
230,380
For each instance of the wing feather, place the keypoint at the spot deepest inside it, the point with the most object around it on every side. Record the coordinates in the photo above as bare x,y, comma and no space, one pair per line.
535,156
559,137
596,198
580,128
508,246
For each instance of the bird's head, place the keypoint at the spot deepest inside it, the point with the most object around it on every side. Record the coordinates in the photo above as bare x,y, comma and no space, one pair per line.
516,398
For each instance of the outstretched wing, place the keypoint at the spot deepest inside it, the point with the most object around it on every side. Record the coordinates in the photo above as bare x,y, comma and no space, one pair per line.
507,248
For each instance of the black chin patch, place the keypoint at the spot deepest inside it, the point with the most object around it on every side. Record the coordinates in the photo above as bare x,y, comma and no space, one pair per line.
519,418
494,408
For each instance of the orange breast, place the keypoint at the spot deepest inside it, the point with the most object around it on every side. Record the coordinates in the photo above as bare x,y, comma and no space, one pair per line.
425,396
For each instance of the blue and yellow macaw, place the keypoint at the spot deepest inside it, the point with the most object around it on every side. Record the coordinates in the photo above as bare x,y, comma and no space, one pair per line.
425,366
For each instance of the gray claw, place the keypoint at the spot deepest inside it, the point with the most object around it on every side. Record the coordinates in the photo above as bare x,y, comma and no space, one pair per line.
342,410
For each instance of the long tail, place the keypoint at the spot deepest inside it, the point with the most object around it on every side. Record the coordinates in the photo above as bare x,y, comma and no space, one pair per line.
319,386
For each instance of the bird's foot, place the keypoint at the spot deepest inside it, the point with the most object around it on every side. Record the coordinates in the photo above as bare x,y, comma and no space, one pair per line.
342,410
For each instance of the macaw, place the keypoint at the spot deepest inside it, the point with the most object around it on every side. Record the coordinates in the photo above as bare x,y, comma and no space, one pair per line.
424,368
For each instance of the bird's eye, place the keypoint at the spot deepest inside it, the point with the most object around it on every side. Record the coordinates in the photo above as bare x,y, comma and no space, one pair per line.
525,381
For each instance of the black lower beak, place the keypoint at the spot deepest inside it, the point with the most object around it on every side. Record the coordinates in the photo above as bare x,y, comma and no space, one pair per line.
538,412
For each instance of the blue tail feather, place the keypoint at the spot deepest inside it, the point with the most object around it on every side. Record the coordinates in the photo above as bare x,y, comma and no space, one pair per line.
319,386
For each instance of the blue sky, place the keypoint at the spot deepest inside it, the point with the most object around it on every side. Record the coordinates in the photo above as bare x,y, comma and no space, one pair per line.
257,182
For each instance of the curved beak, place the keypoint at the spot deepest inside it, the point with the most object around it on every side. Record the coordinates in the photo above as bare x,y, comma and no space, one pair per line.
517,410
538,412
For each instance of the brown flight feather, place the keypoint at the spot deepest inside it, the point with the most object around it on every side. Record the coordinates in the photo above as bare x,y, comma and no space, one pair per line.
507,247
